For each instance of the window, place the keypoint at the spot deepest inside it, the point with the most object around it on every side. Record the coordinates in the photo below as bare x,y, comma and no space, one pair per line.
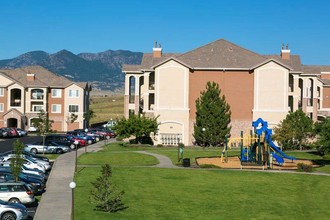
36,108
73,108
56,108
2,91
73,93
57,93
2,109
37,94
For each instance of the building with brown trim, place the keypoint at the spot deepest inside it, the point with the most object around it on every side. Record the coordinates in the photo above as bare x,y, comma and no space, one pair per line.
25,91
255,85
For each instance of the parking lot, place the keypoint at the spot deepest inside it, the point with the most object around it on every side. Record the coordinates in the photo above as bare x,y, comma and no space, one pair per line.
6,144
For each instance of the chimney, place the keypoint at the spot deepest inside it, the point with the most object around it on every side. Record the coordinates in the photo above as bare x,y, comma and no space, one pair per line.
157,50
285,53
30,77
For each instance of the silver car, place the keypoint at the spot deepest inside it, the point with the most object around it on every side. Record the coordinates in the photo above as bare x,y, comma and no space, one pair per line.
12,211
50,148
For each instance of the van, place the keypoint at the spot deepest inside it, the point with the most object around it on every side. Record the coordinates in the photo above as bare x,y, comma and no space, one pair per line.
16,192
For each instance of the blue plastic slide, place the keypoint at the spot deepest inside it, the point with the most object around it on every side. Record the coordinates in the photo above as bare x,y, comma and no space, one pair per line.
278,159
275,148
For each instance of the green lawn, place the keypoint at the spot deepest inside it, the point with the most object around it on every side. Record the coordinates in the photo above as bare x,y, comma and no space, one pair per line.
158,193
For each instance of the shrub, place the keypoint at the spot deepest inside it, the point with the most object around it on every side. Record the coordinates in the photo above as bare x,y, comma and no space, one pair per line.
304,167
105,194
160,145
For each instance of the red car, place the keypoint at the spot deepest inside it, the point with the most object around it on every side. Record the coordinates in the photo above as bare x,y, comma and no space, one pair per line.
105,133
81,142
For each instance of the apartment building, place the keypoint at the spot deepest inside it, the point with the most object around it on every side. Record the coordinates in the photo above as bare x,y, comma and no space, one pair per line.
267,86
25,91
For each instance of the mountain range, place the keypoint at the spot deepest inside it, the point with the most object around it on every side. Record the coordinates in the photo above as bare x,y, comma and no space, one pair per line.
103,69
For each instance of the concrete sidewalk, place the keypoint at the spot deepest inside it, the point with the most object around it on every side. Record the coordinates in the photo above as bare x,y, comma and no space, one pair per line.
56,202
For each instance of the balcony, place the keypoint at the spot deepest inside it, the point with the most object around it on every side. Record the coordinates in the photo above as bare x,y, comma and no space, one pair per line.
16,102
37,94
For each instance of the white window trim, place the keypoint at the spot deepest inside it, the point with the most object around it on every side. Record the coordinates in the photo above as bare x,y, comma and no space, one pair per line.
2,107
75,111
59,108
59,95
73,94
2,91
35,106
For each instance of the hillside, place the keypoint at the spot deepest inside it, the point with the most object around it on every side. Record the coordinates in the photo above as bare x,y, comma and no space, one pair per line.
103,69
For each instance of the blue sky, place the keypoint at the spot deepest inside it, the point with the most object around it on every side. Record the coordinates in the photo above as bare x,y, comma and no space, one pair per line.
179,25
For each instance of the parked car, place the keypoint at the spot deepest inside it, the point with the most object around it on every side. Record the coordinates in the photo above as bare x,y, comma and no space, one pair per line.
11,132
82,135
87,132
40,157
3,133
61,139
21,132
81,142
16,192
12,211
49,148
104,132
32,129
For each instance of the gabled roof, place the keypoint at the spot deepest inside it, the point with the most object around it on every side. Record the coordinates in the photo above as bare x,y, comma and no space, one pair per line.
221,54
294,62
43,77
148,60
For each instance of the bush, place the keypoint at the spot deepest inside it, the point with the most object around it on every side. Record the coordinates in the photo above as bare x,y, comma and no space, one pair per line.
160,145
304,167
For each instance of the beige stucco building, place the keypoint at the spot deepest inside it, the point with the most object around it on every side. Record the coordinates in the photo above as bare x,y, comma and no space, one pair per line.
267,86
24,91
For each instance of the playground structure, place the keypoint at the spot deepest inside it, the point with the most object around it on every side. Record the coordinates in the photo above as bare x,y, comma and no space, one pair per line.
257,148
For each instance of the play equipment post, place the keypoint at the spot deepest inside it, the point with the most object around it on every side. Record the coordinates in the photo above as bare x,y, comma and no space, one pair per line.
226,147
242,148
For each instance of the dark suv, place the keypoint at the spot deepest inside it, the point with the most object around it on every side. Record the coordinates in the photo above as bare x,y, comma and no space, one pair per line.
61,139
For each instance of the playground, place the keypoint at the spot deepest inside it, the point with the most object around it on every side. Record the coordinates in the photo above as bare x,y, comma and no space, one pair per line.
235,163
257,151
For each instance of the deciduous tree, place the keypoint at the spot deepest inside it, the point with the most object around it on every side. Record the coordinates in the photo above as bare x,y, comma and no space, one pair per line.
294,130
17,161
139,126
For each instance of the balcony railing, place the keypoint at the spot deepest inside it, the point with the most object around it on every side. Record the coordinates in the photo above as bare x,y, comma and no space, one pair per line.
37,96
170,139
291,87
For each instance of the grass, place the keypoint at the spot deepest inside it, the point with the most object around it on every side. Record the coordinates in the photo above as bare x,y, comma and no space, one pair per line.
158,193
108,107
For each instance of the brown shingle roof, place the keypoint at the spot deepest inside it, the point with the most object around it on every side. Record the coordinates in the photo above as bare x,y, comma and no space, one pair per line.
221,54
43,77
309,69
294,62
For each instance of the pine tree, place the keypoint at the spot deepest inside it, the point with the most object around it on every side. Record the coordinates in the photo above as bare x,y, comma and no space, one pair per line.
212,117
105,194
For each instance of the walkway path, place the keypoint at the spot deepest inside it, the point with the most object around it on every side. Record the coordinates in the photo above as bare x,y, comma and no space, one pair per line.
56,202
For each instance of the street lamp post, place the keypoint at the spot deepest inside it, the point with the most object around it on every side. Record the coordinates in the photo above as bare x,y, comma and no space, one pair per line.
203,129
76,144
72,186
86,130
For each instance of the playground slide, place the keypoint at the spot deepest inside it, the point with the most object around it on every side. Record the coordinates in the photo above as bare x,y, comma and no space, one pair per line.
278,159
276,149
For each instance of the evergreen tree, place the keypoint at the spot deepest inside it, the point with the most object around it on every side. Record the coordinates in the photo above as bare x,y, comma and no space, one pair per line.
294,130
105,194
322,129
212,117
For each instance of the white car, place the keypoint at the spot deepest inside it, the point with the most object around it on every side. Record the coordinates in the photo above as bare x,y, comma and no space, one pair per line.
16,192
32,166
28,160
12,211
